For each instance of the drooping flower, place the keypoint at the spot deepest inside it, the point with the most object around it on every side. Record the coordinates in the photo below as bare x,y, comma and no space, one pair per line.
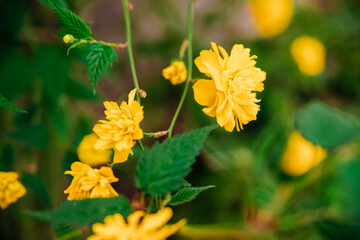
300,155
89,155
121,127
151,226
90,183
230,94
10,188
272,17
176,72
309,54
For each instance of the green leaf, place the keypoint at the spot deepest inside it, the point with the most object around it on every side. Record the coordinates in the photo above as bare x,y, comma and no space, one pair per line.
4,102
73,24
187,194
76,89
37,185
326,126
161,169
31,135
85,212
99,58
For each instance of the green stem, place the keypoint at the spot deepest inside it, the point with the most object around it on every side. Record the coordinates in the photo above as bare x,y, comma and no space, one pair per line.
130,52
129,47
149,207
189,62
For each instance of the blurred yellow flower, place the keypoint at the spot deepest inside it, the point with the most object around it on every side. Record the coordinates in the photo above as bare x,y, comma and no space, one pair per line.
309,54
229,95
10,188
89,155
121,129
150,228
300,155
90,183
272,17
176,72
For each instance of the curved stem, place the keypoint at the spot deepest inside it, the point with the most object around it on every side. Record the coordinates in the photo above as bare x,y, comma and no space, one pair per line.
129,46
189,63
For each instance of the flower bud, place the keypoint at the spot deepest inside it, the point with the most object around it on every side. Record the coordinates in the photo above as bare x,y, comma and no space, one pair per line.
176,72
68,38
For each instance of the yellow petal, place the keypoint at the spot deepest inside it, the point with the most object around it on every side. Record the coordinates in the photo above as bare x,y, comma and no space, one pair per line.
205,92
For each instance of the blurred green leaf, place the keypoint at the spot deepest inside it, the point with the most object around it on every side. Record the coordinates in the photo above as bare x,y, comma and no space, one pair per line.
6,157
31,135
187,194
78,90
6,103
325,126
36,184
85,212
99,59
161,169
61,3
72,23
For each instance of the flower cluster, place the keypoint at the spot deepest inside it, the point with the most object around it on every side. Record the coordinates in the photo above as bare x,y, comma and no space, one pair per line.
300,155
89,155
90,183
230,94
151,226
176,72
121,127
10,188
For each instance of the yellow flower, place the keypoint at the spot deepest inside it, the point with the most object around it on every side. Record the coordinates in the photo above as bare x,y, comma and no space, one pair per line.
229,95
176,72
309,54
90,183
150,228
89,155
68,38
10,188
121,129
272,17
300,155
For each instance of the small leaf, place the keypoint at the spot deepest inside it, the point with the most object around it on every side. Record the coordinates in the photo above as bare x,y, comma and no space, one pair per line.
161,169
187,194
326,126
99,59
85,212
37,185
4,102
73,24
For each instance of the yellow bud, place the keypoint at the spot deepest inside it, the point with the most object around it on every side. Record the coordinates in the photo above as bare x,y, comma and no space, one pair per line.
68,38
309,54
272,17
300,155
176,72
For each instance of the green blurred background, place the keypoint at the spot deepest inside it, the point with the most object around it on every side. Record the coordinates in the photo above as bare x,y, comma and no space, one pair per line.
37,76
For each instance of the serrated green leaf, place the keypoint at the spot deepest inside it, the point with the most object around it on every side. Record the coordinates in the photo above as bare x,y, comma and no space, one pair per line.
85,212
99,59
161,169
73,24
4,102
325,126
37,185
187,194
